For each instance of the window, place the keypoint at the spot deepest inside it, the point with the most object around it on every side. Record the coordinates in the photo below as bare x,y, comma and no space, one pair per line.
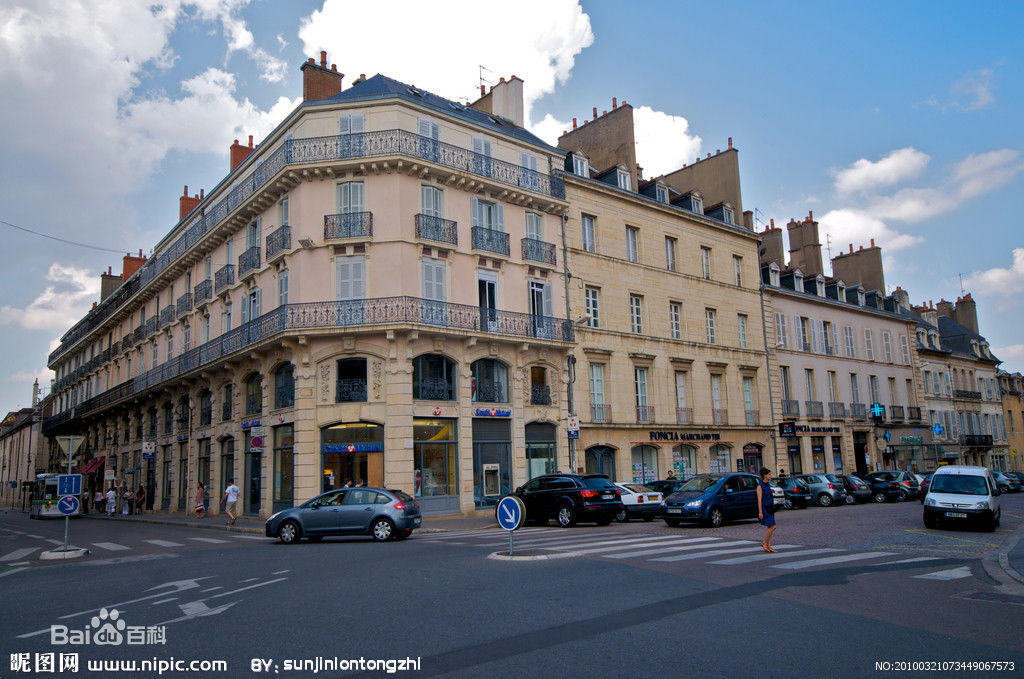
534,226
632,239
780,330
155,354
748,397
742,328
893,400
186,343
284,386
251,305
737,270
205,328
597,384
680,389
636,313
674,322
716,391
804,328
254,394
580,166
350,123
873,388
591,298
490,381
709,318
705,263
350,197
904,350
640,386
351,277
854,388
432,201
848,337
809,382
433,378
911,400
434,279
488,215
589,241
282,288
728,215
170,345
662,193
351,384
887,346
282,211
833,386
869,351
670,253
622,178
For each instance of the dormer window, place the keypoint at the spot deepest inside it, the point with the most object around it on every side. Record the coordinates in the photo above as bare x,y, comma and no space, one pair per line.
985,350
842,291
821,287
860,298
698,203
974,348
662,194
623,180
773,275
728,217
933,339
580,166
798,282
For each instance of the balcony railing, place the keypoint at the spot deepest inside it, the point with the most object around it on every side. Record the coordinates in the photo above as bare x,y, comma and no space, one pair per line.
644,414
150,327
284,395
963,393
205,414
836,410
753,418
815,408
279,242
348,225
249,261
895,412
183,305
600,413
719,416
684,415
166,315
437,229
859,411
976,440
224,277
203,291
490,240
350,391
436,389
538,251
490,391
253,404
913,413
540,395
790,407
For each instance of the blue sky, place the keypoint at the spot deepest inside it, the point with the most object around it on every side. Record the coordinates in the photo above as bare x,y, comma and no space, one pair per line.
898,121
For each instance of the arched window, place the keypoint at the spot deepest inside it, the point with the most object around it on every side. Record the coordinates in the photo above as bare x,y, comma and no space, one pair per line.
490,381
540,390
284,386
205,408
684,460
645,464
254,394
351,386
433,378
601,460
720,459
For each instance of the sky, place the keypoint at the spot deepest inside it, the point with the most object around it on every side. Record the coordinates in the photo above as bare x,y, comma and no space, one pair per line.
900,122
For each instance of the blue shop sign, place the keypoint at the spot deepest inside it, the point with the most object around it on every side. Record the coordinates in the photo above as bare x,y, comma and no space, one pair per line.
492,412
249,424
372,447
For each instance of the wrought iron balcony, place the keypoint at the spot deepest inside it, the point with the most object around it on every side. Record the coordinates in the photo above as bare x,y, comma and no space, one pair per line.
225,410
600,413
684,415
719,416
224,277
490,391
253,404
644,414
752,417
965,394
538,251
540,395
184,304
348,225
279,242
205,414
350,391
249,261
284,395
815,408
976,440
438,389
836,410
490,240
203,291
895,412
437,229
150,327
128,341
859,411
914,413
790,407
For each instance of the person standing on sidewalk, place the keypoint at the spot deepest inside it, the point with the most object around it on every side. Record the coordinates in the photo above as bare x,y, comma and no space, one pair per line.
111,502
200,505
231,498
766,508
140,499
99,500
126,501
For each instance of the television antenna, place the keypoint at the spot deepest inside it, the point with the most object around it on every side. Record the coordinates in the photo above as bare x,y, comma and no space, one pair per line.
484,80
961,276
828,245
759,217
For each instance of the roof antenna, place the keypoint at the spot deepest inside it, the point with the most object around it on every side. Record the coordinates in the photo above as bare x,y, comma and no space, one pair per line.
961,275
483,80
828,245
759,217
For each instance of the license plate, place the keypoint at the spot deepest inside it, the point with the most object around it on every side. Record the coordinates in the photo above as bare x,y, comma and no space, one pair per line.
675,511
607,496
956,515
416,522
652,498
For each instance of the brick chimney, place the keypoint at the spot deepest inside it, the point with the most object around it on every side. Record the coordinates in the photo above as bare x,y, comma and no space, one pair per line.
505,99
966,313
187,203
130,264
239,153
109,282
861,267
318,81
944,308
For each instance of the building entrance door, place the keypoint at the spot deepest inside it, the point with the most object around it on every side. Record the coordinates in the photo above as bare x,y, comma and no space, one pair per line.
860,452
254,482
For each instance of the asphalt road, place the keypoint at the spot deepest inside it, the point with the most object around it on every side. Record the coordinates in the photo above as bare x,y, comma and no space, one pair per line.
853,586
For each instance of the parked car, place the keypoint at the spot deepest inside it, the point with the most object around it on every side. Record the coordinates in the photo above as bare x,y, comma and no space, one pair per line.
795,492
857,490
1006,482
778,495
665,486
639,502
569,498
384,514
712,499
962,493
824,490
1017,475
892,485
922,488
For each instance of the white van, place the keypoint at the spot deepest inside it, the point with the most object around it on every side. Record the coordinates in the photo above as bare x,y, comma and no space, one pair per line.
961,493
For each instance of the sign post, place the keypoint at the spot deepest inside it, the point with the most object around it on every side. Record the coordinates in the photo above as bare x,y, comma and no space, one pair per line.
69,444
511,511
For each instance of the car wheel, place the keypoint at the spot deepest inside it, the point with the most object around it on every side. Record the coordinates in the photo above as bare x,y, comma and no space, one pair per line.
850,499
1004,489
566,515
825,500
622,516
902,497
930,521
879,497
382,530
715,517
289,533
648,518
787,503
672,523
999,516
991,524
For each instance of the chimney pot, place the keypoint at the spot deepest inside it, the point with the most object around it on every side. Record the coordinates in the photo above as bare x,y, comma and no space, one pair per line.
730,142
623,102
717,151
851,248
312,60
574,123
614,104
483,90
595,113
140,252
323,58
236,141
250,141
859,248
186,190
334,67
604,113
709,155
772,221
501,79
202,193
810,215
872,242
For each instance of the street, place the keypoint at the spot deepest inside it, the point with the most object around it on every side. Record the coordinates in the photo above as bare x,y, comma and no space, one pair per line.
851,586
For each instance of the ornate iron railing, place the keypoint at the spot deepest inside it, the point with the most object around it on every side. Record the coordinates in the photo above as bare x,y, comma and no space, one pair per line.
490,391
437,229
490,240
600,413
790,407
253,404
684,415
753,417
224,277
719,416
203,291
150,327
836,410
350,391
644,414
859,411
913,413
815,408
225,410
539,251
966,394
249,261
435,389
184,304
895,412
284,395
540,395
976,440
348,225
279,242
205,414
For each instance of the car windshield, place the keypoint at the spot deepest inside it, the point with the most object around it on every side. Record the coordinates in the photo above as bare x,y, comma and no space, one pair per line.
402,495
958,484
699,484
832,478
598,483
637,488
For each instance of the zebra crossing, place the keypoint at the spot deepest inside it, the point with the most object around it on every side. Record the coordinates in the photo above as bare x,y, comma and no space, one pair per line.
24,555
714,550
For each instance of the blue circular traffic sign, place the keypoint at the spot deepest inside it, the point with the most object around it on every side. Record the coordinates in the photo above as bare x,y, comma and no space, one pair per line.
510,512
67,505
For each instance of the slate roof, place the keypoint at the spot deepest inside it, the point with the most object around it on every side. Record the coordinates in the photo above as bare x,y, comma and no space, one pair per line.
958,339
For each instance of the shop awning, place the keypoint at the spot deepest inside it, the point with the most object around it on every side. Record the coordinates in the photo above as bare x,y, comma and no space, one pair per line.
92,465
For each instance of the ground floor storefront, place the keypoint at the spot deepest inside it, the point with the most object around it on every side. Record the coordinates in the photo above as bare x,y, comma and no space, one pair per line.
808,447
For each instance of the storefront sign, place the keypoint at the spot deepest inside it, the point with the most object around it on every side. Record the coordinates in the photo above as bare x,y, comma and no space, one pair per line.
492,412
912,439
791,429
249,424
372,447
258,431
182,438
573,426
682,436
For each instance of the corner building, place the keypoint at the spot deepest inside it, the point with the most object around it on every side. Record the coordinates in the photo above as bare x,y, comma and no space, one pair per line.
371,293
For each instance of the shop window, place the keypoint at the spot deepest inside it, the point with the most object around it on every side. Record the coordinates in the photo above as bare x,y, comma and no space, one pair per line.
435,458
720,458
351,385
540,390
433,378
540,449
645,464
490,381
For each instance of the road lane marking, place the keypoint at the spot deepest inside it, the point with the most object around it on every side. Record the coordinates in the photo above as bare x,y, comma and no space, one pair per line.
825,561
616,548
250,537
213,541
242,589
164,601
164,543
916,559
287,570
548,539
210,589
951,574
19,554
18,570
249,580
717,552
933,549
932,533
599,543
111,546
766,557
708,544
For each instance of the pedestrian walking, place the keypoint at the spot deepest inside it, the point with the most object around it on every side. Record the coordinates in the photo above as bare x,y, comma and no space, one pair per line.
766,508
231,499
200,505
99,500
140,499
126,501
111,502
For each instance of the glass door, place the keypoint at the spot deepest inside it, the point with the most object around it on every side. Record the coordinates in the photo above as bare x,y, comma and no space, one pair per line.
487,286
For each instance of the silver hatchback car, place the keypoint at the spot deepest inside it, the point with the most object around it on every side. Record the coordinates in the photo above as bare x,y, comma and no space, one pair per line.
826,489
381,513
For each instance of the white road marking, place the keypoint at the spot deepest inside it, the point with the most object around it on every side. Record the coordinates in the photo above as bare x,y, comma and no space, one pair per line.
597,543
825,561
34,537
164,543
280,572
250,537
19,554
242,589
12,572
765,557
561,536
249,580
951,574
163,601
213,541
210,589
708,544
916,559
662,542
20,563
111,546
715,552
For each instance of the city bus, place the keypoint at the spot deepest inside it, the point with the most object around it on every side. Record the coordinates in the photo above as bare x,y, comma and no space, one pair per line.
43,500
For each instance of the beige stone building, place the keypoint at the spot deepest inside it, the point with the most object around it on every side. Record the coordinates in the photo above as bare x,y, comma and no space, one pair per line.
23,451
670,364
1011,389
373,292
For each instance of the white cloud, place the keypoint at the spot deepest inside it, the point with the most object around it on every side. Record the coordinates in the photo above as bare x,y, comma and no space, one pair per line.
1009,353
973,91
663,141
44,375
894,168
856,227
1004,282
65,299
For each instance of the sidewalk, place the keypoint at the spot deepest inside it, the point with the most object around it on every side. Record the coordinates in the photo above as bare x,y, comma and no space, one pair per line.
1012,560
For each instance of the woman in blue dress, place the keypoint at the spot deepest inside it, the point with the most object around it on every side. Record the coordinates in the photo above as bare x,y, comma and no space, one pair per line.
766,508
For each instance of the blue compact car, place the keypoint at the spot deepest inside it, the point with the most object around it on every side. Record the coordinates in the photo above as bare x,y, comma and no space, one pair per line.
712,499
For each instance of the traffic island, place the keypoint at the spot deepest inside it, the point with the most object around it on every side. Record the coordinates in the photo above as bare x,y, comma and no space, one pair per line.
529,555
61,553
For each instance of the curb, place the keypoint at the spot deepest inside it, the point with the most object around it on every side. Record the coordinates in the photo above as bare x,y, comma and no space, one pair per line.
60,554
202,523
504,556
1004,557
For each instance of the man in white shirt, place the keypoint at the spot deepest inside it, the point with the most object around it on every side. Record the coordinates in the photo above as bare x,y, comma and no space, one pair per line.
231,499
111,501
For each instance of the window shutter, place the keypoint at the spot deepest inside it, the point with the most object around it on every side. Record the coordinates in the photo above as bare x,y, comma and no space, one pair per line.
245,310
343,124
356,199
548,303
499,217
254,313
344,276
475,211
343,198
358,278
357,123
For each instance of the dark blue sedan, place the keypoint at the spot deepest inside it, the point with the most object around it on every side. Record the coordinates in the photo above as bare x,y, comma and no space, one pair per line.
378,512
712,499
